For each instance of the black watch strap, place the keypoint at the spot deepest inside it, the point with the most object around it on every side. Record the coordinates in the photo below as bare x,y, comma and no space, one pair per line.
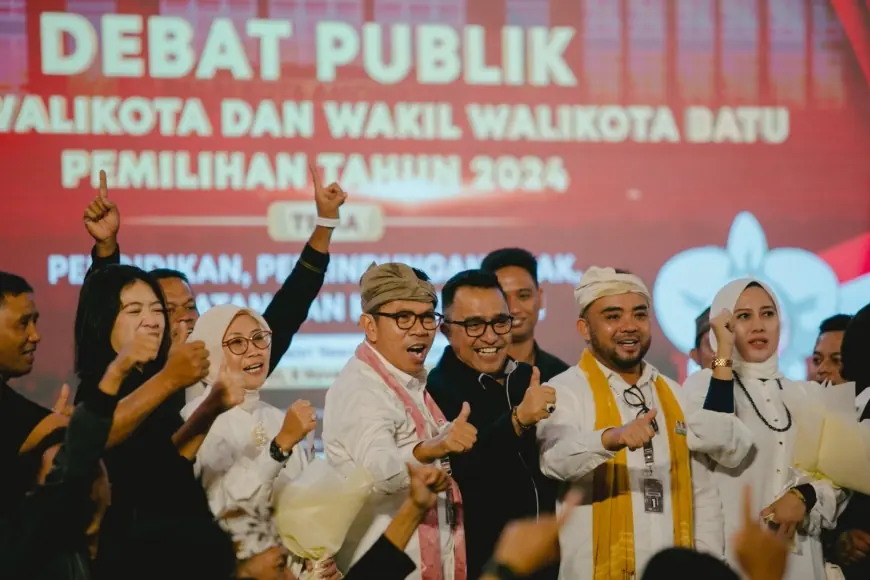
500,571
279,454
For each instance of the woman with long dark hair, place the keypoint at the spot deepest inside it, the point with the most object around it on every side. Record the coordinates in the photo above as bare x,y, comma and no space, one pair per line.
159,522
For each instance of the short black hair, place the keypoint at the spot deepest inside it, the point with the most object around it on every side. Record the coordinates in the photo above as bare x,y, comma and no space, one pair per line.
98,308
13,285
694,565
505,257
168,273
468,279
835,323
856,345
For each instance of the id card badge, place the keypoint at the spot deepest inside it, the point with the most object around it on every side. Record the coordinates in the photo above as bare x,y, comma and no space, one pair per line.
653,496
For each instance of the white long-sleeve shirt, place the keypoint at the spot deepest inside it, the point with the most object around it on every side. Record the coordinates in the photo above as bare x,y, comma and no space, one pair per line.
238,473
365,424
571,450
766,468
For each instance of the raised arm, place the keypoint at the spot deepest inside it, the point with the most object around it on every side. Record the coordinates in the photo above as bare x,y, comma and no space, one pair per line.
289,308
102,220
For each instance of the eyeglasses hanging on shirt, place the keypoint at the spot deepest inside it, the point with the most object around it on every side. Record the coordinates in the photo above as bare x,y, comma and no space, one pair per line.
635,399
653,489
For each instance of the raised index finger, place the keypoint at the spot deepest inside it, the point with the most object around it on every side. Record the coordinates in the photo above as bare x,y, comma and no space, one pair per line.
315,176
104,188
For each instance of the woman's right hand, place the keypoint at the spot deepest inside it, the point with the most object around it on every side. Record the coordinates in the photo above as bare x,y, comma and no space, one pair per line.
142,349
299,421
723,330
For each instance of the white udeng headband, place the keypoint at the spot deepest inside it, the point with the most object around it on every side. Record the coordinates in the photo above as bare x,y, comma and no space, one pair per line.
600,282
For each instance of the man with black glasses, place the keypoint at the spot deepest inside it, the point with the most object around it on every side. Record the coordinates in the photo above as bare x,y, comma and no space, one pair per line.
499,478
379,416
620,434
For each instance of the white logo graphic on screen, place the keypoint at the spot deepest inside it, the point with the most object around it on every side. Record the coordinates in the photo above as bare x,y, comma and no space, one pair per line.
806,287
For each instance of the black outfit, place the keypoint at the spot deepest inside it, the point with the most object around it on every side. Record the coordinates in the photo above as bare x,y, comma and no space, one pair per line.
154,493
156,498
290,305
856,516
383,561
549,365
500,478
18,417
47,540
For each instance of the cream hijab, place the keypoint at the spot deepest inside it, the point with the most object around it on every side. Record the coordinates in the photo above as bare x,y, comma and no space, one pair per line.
727,299
211,328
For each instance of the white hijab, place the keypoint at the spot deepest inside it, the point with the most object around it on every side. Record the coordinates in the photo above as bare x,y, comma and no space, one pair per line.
211,328
727,298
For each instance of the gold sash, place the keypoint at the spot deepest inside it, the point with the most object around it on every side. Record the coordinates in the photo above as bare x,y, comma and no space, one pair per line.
612,517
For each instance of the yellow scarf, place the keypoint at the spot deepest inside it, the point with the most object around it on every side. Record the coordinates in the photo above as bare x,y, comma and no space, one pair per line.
612,517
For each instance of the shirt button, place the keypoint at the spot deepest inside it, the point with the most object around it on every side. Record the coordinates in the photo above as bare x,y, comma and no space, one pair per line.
768,400
776,420
779,471
780,442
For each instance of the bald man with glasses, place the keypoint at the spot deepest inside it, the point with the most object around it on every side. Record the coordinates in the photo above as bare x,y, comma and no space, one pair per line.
499,477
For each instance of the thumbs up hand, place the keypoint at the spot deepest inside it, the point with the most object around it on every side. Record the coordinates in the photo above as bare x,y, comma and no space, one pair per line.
538,403
632,435
458,436
102,220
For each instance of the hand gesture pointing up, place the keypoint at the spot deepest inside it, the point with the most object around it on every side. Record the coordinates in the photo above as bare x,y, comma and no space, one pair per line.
102,219
328,199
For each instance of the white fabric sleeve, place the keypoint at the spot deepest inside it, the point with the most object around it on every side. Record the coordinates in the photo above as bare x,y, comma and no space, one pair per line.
568,452
709,518
245,484
722,436
367,431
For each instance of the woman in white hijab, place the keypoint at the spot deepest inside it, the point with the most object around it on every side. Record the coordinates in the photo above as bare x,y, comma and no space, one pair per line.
746,383
251,449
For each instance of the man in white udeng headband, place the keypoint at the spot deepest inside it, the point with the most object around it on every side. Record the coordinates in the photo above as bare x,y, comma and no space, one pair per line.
379,416
252,447
620,434
747,387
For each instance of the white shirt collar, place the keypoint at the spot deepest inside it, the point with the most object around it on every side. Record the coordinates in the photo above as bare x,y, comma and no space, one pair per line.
647,376
408,381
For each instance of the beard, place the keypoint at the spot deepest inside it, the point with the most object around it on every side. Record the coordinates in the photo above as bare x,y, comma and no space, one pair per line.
612,356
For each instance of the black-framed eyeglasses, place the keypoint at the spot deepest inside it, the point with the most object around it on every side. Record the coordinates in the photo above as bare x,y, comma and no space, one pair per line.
406,320
634,398
475,327
239,345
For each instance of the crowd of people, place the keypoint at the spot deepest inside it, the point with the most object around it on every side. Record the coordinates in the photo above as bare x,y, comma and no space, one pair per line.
501,462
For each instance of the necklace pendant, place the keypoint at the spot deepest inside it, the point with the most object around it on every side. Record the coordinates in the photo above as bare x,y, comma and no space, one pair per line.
260,435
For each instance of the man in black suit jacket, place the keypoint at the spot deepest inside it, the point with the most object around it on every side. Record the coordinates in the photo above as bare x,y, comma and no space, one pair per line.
499,478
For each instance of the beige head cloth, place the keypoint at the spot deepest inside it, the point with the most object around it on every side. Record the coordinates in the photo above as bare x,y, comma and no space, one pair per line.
393,281
600,282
